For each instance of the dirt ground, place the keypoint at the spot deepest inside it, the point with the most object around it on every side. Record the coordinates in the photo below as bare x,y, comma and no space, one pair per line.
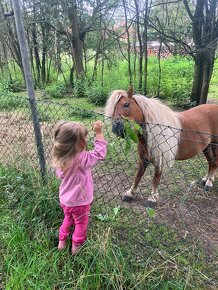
191,212
184,207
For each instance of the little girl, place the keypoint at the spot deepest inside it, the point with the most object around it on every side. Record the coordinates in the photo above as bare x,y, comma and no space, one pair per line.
73,166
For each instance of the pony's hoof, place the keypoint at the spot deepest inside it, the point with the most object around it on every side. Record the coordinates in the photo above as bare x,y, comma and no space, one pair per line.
150,204
127,198
202,183
207,188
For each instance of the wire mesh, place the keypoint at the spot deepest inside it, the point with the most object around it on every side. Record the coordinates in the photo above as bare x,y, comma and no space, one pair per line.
185,208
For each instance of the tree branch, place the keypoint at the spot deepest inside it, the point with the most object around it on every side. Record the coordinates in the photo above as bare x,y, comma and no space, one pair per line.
188,10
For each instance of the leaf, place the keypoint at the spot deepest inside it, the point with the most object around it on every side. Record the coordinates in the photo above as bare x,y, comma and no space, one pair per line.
132,135
111,144
128,144
129,132
102,217
138,128
151,212
132,129
116,210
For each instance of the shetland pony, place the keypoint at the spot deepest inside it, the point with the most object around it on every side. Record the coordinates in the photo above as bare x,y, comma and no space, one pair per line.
166,135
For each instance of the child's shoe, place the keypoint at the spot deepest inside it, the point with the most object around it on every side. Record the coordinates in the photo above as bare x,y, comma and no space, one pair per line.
61,245
76,249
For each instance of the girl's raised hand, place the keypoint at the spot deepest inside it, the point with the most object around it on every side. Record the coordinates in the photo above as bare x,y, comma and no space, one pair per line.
98,126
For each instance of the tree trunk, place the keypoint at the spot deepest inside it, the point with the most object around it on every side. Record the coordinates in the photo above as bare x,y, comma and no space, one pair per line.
35,45
159,69
36,52
140,47
72,76
45,34
145,45
6,60
197,82
128,43
205,35
43,62
135,71
76,42
48,70
208,64
94,73
202,75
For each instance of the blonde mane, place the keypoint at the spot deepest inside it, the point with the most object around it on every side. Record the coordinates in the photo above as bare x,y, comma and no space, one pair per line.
162,126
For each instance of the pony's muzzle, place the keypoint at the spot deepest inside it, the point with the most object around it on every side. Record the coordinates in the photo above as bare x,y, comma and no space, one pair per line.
118,128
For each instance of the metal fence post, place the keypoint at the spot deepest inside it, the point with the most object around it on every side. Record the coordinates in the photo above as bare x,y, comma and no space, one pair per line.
29,85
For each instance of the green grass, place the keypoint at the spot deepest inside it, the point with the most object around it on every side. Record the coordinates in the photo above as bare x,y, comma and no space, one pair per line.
213,90
52,110
10,102
121,253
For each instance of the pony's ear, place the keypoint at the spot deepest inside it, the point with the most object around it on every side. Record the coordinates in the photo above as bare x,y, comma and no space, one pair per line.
130,92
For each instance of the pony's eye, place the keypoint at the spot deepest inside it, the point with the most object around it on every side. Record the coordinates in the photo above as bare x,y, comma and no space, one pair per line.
126,105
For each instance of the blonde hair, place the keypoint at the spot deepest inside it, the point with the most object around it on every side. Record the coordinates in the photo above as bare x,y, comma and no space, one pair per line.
69,140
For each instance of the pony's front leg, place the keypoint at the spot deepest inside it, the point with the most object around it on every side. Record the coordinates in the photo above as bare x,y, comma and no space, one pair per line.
129,195
154,197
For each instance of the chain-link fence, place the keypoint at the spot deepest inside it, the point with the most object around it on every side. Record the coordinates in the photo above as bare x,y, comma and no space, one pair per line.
184,207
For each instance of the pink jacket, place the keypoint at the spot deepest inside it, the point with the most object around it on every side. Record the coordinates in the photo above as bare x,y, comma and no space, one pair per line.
77,185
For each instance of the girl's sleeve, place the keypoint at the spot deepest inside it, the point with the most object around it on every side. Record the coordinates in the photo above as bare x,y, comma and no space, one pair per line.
59,173
90,158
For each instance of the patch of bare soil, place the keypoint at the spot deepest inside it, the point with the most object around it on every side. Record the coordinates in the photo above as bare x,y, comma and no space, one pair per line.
193,216
17,140
212,101
185,208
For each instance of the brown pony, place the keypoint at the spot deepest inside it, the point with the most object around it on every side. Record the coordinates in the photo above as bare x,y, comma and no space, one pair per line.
166,135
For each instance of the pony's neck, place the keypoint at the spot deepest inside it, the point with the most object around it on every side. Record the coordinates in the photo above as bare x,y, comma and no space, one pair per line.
155,112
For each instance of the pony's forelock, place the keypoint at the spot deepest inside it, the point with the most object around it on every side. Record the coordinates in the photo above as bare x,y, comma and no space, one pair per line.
113,99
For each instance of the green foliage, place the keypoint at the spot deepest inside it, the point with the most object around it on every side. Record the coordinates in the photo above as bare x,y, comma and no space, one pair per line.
9,102
12,85
176,78
132,129
56,90
176,81
97,95
151,212
213,90
80,87
81,113
110,216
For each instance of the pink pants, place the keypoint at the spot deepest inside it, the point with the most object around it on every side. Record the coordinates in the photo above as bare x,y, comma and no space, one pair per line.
77,216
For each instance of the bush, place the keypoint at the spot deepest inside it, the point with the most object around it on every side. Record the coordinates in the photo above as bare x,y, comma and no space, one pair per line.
97,95
56,90
13,86
10,102
176,78
79,89
81,113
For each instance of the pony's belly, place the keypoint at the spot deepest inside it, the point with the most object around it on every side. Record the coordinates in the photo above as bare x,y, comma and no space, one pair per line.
188,155
191,145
